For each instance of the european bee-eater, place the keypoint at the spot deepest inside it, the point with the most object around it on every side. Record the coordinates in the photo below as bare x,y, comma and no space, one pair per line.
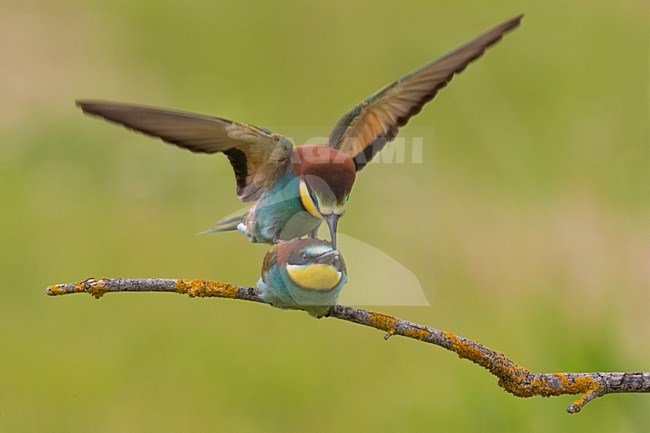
295,188
305,274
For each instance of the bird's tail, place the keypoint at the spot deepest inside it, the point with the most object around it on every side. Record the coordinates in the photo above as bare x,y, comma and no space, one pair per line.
228,223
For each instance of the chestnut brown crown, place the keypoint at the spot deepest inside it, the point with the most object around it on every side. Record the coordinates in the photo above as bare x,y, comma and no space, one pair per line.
329,173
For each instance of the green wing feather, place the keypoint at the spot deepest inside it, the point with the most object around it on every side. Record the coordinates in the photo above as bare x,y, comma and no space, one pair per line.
364,130
257,155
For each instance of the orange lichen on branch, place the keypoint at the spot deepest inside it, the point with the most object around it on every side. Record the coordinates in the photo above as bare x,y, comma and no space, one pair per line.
96,289
518,380
578,384
467,349
417,333
89,286
206,289
56,290
384,322
527,384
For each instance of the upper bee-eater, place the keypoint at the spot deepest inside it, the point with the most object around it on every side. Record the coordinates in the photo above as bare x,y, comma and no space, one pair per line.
306,274
295,188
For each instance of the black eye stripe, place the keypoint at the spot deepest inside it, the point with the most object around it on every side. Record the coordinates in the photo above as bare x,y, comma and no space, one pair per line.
298,258
311,193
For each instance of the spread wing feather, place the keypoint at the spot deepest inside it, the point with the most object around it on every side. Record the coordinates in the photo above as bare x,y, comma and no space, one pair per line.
258,156
364,130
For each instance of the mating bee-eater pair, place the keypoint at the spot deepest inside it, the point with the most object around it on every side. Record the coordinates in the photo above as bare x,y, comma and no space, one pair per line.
296,188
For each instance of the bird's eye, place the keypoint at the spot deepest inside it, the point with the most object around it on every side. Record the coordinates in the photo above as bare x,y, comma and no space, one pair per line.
304,256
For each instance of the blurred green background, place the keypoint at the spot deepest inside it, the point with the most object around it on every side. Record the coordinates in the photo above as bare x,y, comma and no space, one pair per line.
526,223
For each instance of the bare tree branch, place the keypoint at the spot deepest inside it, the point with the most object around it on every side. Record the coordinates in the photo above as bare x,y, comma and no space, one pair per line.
513,378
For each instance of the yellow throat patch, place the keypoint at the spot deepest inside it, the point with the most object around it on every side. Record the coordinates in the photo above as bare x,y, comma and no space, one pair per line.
315,276
307,202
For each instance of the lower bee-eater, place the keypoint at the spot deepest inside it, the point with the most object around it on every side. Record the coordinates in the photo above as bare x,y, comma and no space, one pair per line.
305,274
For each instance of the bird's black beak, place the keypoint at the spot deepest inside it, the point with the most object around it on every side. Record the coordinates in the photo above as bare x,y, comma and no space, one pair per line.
332,221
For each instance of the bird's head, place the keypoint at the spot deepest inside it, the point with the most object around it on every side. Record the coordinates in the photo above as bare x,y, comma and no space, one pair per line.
311,264
326,178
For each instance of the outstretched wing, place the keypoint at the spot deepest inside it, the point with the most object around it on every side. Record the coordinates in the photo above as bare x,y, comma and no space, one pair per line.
364,130
257,155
